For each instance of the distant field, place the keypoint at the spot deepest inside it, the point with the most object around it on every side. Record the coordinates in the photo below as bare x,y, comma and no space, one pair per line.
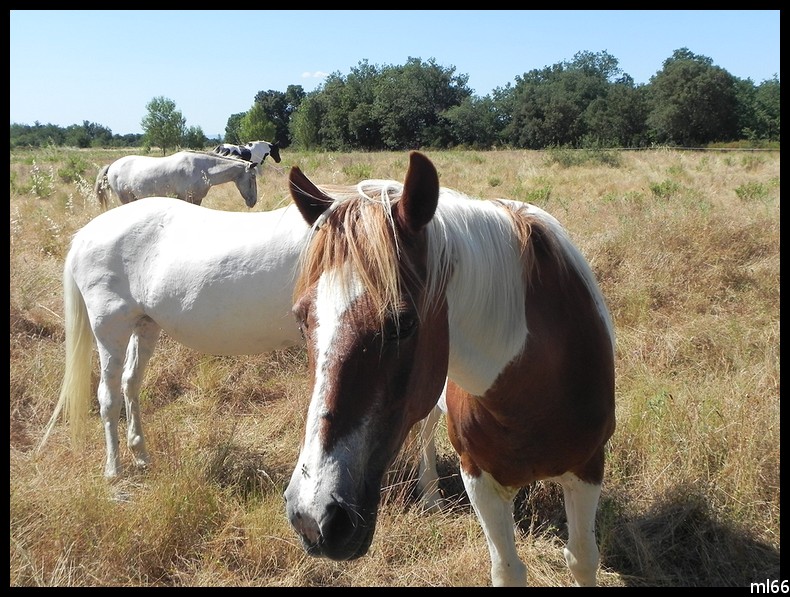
686,248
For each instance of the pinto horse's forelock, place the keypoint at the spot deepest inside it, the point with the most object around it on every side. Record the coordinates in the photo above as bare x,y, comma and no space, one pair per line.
346,232
365,214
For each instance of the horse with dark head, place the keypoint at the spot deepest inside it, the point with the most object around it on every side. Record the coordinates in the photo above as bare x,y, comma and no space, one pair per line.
254,151
405,285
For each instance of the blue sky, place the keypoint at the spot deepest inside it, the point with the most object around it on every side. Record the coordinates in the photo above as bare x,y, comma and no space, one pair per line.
105,66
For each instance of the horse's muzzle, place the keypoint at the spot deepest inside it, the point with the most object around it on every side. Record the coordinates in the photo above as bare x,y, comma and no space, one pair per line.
341,533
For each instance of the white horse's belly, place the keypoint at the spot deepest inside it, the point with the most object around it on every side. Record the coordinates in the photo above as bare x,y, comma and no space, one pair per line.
230,316
225,334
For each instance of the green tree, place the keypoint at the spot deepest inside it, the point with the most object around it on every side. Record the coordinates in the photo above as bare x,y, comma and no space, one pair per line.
474,123
88,134
163,125
305,123
348,120
693,102
77,136
767,110
556,105
255,126
279,107
617,118
336,101
410,101
194,138
233,129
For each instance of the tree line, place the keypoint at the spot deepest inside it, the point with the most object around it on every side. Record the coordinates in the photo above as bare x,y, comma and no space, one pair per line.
585,102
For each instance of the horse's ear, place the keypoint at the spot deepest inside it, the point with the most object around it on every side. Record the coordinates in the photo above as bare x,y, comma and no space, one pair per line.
420,194
310,200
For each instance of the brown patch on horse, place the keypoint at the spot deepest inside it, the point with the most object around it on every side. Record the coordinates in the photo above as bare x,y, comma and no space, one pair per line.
552,408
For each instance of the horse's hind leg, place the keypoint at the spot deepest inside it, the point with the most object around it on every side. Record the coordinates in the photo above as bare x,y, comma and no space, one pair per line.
111,356
138,353
493,505
581,504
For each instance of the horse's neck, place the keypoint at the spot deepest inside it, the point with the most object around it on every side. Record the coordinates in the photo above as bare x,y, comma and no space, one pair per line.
485,295
225,170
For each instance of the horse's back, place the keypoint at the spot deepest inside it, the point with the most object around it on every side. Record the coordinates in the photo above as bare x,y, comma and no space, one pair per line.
219,282
156,220
133,177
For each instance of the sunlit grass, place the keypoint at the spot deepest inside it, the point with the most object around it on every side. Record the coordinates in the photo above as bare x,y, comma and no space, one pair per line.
686,248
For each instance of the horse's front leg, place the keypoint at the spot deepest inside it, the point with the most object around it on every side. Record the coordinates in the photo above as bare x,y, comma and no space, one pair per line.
428,479
493,505
138,354
581,504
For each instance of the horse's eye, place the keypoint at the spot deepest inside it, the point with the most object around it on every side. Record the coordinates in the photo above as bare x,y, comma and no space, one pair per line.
405,327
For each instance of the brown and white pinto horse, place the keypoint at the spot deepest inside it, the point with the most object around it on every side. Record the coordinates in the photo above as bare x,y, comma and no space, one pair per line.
405,285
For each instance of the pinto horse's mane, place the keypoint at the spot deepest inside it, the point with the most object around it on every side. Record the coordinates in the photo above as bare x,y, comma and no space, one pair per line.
473,240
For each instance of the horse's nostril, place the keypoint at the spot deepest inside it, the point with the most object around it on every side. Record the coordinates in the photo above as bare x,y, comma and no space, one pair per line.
339,525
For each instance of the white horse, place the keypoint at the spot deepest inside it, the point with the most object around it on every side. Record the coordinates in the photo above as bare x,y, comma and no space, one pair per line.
254,151
145,267
187,175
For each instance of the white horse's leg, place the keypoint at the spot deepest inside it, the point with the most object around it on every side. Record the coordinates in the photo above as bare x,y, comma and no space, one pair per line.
493,505
138,353
581,504
110,399
428,480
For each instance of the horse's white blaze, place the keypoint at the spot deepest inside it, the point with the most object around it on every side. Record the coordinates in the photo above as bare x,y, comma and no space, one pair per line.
318,473
316,470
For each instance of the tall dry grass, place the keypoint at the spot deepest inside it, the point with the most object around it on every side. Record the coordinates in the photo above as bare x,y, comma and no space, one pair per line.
686,246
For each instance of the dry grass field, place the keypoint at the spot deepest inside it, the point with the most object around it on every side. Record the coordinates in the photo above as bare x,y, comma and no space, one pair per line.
686,248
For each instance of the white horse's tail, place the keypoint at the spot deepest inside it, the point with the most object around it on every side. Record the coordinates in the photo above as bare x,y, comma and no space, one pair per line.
100,187
75,391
